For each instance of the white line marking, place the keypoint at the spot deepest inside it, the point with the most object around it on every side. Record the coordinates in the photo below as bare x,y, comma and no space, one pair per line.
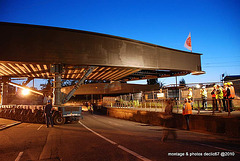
19,156
110,141
114,143
133,153
40,127
218,148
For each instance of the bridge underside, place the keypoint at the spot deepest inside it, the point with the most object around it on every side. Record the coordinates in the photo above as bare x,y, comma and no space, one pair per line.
100,73
32,51
29,51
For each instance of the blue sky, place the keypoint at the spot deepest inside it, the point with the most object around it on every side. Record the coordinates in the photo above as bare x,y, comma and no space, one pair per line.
214,25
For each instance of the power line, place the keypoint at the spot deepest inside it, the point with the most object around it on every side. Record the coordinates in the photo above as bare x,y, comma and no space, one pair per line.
222,62
217,57
221,66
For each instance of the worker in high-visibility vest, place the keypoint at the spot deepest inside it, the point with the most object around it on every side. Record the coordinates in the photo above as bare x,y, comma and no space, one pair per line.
224,89
230,94
219,97
214,100
203,94
187,111
189,95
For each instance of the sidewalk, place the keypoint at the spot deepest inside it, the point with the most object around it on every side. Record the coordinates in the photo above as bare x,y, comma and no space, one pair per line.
6,123
179,111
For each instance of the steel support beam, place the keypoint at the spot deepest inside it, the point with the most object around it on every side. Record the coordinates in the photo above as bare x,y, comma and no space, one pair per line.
57,70
70,94
88,49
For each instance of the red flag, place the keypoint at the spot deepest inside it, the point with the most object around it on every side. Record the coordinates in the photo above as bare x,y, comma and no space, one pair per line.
188,43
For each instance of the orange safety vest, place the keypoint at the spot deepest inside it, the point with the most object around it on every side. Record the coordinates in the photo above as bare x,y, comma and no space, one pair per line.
232,92
188,109
213,93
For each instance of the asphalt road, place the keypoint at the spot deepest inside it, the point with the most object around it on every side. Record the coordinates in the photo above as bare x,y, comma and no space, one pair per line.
103,138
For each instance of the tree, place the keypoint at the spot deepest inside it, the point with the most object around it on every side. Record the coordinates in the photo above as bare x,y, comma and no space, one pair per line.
66,83
152,81
182,82
161,84
47,87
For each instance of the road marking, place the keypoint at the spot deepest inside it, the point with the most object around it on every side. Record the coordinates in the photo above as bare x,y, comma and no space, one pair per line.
110,141
40,127
19,156
133,153
218,148
114,143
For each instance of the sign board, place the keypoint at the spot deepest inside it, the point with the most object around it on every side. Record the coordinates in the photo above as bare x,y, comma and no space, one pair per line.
160,95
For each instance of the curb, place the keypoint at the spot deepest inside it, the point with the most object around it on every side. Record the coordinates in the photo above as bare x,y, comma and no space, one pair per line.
9,125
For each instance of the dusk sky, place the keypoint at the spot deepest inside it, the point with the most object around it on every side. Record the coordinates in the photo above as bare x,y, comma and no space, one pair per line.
214,25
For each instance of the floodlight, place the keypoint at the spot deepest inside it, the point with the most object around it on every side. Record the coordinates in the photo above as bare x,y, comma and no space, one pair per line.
198,86
25,92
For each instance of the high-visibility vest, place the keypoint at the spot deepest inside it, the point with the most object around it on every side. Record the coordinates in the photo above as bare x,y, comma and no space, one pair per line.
187,110
219,94
204,93
232,92
213,93
189,96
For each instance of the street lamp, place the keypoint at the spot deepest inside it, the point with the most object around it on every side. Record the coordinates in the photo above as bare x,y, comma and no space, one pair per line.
25,92
198,86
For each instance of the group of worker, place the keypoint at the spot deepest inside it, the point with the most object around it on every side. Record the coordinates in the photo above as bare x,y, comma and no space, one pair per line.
221,97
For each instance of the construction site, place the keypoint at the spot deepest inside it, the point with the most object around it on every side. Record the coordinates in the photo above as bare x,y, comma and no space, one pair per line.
85,69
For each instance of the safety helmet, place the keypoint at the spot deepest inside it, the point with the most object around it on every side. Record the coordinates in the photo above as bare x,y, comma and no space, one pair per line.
190,89
49,101
203,87
225,84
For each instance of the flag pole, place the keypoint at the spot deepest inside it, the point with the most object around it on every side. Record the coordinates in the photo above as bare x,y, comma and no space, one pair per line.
191,42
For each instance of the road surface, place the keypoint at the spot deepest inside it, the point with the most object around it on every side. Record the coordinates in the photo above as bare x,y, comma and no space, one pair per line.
102,138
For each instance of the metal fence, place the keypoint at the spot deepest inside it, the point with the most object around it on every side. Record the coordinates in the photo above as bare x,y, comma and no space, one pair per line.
159,106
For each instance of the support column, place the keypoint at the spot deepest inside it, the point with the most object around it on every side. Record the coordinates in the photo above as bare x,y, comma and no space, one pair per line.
57,89
57,70
4,91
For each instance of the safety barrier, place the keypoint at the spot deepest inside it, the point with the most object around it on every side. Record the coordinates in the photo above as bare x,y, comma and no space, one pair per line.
159,106
23,113
228,126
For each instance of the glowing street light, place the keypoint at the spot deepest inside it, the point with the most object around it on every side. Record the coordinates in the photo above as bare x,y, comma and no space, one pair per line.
198,86
22,87
25,92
